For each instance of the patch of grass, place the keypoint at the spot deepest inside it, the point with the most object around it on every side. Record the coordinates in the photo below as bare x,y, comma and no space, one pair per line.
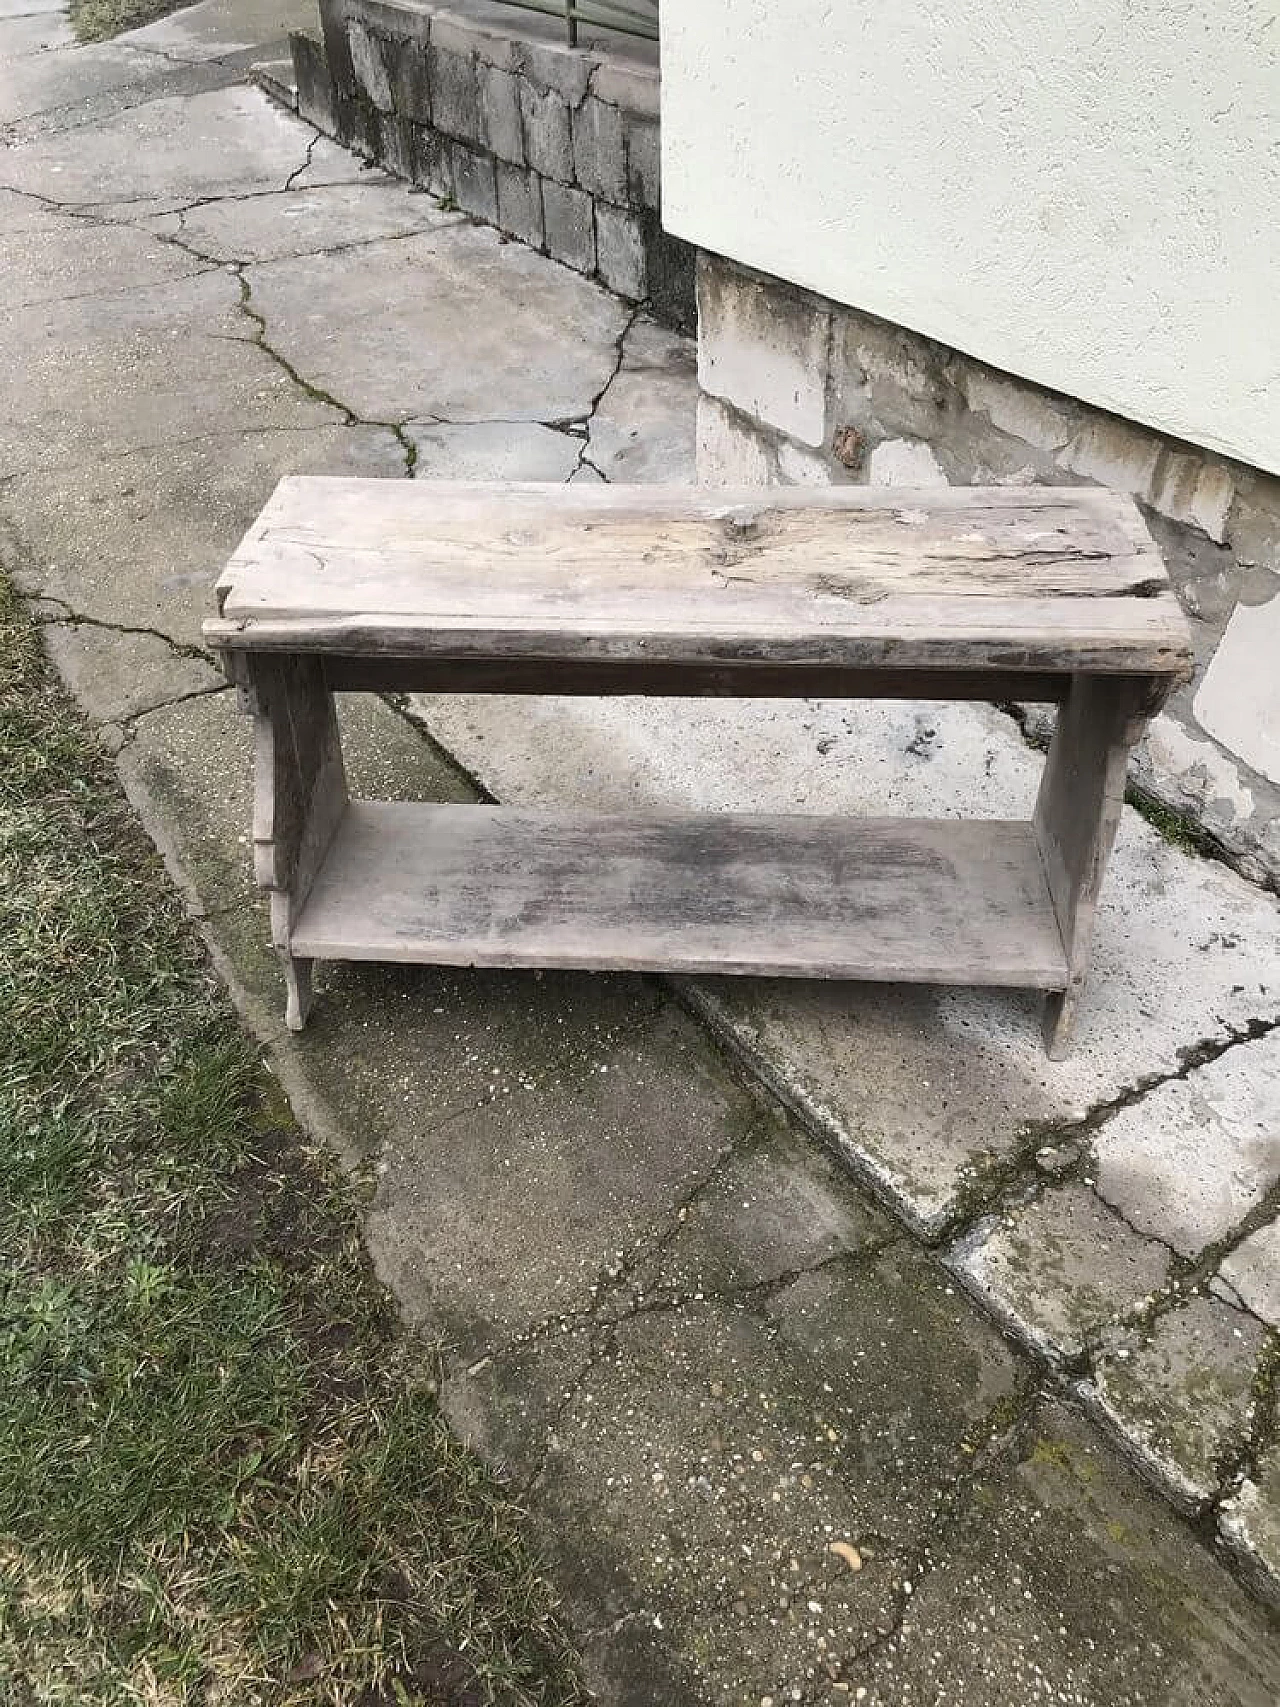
224,1477
99,20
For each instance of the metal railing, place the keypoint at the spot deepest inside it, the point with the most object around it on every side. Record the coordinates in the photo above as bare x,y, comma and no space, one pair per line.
627,17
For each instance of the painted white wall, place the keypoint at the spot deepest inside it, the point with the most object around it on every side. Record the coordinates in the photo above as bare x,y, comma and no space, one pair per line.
1082,192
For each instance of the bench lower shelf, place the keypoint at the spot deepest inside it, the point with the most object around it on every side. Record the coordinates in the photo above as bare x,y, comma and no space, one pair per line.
930,901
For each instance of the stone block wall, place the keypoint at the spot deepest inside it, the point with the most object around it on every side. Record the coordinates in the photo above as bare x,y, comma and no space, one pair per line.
557,146
796,389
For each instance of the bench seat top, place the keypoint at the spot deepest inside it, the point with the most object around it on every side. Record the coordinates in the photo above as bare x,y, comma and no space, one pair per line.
962,578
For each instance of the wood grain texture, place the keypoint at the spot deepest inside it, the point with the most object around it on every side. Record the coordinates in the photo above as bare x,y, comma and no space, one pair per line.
935,901
1077,814
1021,579
972,593
300,788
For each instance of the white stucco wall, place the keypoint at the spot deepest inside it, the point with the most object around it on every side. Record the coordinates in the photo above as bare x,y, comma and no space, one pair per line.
1082,192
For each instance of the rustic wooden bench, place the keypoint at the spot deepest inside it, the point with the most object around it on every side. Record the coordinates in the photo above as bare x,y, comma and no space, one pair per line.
994,594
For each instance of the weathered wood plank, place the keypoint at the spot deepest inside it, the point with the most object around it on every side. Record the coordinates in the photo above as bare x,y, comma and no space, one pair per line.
933,901
1099,636
390,535
1033,578
300,795
1076,816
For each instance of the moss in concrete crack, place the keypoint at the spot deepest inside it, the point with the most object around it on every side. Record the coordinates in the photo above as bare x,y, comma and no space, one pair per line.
316,393
1175,827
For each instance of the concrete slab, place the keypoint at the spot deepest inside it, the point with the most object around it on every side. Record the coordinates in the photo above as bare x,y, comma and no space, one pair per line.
1252,1270
51,258
1187,1163
631,1113
645,427
33,85
495,450
213,29
1181,1393
1062,1584
1239,698
223,143
302,222
730,1444
79,105
30,8
1250,1525
496,348
39,32
1060,1269
139,539
116,373
1186,951
866,1387
119,677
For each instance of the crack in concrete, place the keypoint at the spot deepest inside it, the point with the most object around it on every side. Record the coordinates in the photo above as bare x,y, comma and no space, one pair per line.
170,58
234,434
571,426
1006,1444
128,725
325,249
1019,1179
661,1301
587,420
1189,1278
306,164
616,1275
90,212
77,619
117,290
204,74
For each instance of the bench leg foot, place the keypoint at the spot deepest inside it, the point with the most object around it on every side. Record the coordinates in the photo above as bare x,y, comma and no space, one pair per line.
297,979
1060,1022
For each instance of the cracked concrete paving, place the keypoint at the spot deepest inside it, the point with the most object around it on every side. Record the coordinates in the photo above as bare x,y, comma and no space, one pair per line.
644,1271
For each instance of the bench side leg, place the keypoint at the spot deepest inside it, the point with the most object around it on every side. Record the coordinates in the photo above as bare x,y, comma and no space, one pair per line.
1077,814
300,795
